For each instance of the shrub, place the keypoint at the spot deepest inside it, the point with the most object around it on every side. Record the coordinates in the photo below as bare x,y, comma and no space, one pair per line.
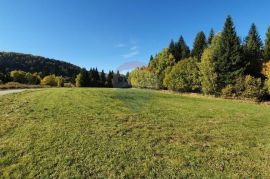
253,88
33,78
60,81
49,80
245,87
184,76
228,91
266,72
143,78
18,76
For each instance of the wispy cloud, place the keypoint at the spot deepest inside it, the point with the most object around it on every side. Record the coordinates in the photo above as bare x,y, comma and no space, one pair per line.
120,45
131,54
133,48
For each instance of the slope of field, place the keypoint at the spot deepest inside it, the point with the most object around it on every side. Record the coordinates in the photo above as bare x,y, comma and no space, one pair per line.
131,133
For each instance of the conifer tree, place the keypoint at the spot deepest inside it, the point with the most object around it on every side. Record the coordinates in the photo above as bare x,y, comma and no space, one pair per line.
211,36
151,58
252,49
82,79
199,45
172,48
181,50
110,79
267,45
229,61
102,78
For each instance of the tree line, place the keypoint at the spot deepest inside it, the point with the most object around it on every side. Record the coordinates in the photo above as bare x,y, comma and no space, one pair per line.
91,78
94,78
220,64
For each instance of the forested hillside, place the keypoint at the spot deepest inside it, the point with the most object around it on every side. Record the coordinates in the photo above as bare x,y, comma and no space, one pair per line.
29,63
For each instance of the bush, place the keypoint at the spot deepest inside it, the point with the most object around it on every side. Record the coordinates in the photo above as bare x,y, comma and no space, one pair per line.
143,78
49,80
266,72
18,76
253,88
246,87
228,91
184,76
25,78
60,81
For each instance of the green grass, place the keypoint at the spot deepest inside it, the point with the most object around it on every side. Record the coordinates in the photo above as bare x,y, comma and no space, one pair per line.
131,133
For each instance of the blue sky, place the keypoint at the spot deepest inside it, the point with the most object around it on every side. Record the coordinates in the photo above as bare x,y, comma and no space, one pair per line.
109,33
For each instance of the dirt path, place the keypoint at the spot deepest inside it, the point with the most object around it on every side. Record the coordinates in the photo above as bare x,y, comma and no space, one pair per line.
3,92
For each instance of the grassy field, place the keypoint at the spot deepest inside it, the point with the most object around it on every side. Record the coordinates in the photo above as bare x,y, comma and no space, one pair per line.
131,133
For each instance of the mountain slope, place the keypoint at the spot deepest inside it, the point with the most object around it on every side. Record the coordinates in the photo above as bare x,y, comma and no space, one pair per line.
17,61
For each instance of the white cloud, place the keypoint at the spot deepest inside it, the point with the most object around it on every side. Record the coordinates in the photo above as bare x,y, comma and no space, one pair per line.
120,45
131,54
133,48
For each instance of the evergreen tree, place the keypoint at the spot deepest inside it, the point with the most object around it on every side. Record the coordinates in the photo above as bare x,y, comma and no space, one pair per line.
110,79
102,79
181,50
229,60
267,45
252,49
199,45
172,48
211,36
96,78
82,79
151,58
91,77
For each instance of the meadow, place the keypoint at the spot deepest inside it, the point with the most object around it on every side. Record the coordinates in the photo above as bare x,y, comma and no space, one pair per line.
109,133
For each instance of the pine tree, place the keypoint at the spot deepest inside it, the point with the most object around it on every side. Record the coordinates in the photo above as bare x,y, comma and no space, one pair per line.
110,79
252,49
181,50
103,79
96,78
172,48
267,45
151,58
199,45
82,79
211,36
229,60
91,77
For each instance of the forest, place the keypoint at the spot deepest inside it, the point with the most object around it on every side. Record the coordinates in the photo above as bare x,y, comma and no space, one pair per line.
10,61
221,64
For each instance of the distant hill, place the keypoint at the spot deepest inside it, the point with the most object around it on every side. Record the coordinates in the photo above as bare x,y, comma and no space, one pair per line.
10,61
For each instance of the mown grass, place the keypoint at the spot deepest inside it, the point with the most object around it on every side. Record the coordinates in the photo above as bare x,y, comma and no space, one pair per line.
131,133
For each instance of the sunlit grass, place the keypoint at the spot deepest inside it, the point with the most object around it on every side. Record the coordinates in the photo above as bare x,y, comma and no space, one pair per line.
131,133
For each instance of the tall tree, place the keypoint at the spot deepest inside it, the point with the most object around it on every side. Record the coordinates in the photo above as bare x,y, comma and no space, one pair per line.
252,49
110,79
199,45
82,79
181,49
267,45
102,78
229,61
151,58
172,48
211,36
